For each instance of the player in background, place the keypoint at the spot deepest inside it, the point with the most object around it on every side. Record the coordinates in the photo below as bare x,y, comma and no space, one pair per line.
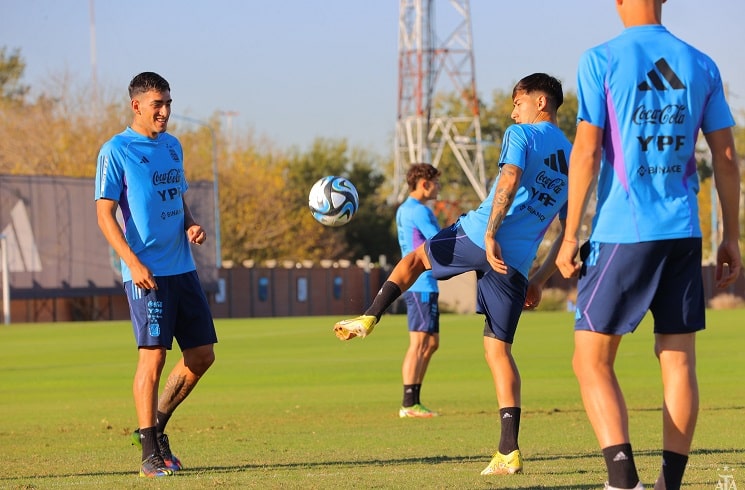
415,223
643,97
498,241
141,170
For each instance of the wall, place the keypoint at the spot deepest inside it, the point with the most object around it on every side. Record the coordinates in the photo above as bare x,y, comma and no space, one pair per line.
265,292
262,292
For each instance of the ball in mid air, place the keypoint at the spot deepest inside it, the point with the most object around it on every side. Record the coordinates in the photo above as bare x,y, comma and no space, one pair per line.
333,200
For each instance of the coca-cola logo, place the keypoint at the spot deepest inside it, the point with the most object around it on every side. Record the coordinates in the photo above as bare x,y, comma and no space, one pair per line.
670,114
551,184
173,176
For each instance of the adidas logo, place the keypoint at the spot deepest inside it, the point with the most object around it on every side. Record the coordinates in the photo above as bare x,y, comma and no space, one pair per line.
663,71
506,416
557,162
144,160
621,456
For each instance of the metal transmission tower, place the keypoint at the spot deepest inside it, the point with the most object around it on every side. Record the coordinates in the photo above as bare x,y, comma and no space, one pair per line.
424,64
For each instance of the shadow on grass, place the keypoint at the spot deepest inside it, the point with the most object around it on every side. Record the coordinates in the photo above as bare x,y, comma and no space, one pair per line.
643,452
429,460
581,411
516,480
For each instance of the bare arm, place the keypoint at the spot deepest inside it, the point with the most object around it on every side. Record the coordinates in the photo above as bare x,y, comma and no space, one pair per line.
584,165
546,270
194,232
504,195
727,181
106,213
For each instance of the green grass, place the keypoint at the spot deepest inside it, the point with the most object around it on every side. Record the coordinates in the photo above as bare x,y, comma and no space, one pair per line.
286,405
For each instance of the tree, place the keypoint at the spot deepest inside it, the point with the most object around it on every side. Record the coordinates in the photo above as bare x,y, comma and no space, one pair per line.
264,205
12,67
55,134
369,232
372,232
256,207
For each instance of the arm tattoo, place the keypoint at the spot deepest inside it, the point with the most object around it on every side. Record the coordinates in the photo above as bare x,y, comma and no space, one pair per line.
504,194
495,220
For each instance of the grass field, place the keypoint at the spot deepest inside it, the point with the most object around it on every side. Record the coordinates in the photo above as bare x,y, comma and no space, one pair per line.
287,405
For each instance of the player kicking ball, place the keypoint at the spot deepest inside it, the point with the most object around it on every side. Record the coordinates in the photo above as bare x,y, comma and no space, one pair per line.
498,241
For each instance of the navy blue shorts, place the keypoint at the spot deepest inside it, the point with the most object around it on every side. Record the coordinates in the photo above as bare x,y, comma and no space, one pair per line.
422,311
619,283
177,309
500,297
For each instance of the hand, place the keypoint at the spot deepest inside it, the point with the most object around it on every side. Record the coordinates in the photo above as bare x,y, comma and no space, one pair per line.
533,296
565,260
728,254
494,256
142,277
196,234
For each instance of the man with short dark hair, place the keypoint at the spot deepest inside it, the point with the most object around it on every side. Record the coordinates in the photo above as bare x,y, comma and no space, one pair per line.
498,241
141,171
415,223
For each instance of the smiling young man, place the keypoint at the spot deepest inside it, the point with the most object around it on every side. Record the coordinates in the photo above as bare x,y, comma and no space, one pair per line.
498,241
141,171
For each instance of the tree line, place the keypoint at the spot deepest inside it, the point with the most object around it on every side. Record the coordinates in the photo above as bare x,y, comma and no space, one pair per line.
263,190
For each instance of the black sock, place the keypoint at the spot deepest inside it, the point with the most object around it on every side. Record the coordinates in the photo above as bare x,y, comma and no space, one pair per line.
409,395
417,390
619,460
161,421
673,467
149,442
388,293
510,422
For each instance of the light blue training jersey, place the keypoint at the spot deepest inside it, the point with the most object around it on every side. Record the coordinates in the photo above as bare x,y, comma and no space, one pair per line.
651,93
416,223
542,153
146,177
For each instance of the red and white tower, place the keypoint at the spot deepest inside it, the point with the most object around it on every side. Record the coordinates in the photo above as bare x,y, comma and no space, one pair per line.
436,57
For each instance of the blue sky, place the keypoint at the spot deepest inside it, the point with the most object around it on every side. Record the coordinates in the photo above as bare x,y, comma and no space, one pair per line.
298,69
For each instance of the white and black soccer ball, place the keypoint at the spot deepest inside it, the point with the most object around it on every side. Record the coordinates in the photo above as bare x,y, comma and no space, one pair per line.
333,200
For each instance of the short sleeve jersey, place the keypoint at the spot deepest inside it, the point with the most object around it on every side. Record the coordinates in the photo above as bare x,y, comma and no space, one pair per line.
416,223
146,177
651,93
541,151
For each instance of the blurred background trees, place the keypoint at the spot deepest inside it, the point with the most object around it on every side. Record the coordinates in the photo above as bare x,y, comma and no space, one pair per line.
263,189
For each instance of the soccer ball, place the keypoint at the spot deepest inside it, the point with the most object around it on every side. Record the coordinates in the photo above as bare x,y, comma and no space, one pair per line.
333,201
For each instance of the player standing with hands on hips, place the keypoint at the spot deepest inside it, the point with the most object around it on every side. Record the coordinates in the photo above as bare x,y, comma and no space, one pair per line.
415,223
643,97
498,241
141,170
